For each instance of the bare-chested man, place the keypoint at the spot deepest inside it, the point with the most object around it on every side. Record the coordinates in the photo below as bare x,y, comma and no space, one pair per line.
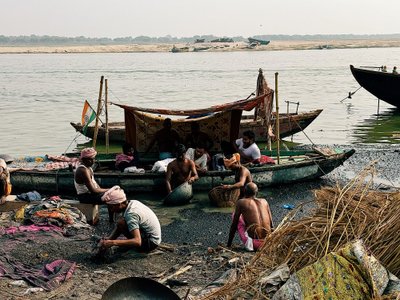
167,139
252,219
242,174
180,170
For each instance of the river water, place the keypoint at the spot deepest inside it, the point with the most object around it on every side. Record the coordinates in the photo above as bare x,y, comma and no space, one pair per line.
41,93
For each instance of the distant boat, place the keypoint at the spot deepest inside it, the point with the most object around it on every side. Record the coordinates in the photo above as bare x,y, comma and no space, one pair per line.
383,85
223,40
177,50
261,42
199,49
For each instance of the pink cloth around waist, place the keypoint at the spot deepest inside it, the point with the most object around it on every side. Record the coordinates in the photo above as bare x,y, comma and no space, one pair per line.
241,228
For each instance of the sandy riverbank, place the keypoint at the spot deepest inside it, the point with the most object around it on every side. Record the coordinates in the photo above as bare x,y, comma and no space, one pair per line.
203,47
194,236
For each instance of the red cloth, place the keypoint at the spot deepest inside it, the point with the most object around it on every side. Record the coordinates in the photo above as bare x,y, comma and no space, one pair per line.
265,160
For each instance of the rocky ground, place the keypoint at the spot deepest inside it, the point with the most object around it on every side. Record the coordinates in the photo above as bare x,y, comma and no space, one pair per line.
194,237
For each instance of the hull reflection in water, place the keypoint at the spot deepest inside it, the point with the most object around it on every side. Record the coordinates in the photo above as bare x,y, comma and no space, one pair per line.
384,128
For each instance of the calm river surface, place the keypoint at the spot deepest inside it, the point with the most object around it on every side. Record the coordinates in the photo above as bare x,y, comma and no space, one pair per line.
41,93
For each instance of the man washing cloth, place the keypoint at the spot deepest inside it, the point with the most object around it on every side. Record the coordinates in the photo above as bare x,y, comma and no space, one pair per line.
252,219
138,224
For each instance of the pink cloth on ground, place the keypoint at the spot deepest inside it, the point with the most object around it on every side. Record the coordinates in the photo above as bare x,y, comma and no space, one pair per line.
241,228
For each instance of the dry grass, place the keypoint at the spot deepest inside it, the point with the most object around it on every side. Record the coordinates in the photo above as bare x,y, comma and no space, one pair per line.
343,214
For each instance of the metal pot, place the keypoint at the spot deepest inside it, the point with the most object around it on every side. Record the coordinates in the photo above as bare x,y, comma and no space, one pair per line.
138,288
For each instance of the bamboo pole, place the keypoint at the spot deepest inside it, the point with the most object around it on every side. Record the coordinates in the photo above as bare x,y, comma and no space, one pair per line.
277,118
106,111
96,126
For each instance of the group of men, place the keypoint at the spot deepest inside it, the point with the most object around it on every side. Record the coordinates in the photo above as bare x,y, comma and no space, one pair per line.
139,224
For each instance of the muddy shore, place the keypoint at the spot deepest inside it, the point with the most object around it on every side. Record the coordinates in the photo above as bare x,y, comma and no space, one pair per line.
195,236
204,47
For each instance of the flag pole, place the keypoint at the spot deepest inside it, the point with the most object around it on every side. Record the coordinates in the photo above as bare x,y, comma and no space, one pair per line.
277,118
96,126
106,111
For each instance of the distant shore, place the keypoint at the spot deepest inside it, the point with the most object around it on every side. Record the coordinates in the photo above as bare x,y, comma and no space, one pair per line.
203,47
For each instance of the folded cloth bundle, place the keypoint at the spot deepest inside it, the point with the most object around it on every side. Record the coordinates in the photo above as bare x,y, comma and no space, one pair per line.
30,196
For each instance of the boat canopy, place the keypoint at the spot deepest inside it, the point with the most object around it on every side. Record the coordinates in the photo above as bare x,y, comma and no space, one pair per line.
220,122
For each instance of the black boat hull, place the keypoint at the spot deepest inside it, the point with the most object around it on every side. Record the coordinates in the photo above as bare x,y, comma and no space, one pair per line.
383,85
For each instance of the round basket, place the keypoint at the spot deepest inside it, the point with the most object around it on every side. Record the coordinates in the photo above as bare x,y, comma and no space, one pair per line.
221,197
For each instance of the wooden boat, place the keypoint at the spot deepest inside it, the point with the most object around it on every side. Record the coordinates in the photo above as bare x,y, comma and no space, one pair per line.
383,85
220,122
289,124
295,166
260,42
222,40
178,50
180,195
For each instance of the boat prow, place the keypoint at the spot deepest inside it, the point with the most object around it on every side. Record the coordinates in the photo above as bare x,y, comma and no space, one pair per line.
383,85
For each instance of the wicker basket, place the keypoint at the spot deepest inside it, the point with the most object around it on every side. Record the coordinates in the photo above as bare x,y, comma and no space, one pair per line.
223,198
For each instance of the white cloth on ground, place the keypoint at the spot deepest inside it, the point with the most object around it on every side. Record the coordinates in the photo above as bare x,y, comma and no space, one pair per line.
133,169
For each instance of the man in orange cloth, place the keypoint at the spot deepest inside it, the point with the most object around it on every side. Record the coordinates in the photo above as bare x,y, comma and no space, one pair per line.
252,219
242,174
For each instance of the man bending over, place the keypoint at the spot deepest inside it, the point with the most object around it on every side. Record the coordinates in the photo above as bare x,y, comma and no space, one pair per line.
138,223
252,219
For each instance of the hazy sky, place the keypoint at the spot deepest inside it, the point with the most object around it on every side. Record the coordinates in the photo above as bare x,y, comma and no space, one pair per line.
181,18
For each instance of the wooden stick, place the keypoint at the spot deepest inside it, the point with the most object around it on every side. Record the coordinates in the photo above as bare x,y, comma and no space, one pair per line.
96,126
106,110
277,117
180,271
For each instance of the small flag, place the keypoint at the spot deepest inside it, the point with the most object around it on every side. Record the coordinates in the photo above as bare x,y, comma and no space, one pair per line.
88,115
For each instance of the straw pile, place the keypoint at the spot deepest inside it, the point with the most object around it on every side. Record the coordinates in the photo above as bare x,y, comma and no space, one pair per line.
343,214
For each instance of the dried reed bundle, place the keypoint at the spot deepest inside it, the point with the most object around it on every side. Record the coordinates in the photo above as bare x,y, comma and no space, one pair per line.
343,214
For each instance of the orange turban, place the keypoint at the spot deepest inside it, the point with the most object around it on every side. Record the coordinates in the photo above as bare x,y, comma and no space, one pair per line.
88,153
229,162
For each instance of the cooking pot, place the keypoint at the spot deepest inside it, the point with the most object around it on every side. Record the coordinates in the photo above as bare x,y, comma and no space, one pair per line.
138,288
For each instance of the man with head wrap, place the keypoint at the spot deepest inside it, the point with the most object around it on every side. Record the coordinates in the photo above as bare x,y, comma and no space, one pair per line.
180,170
86,186
138,223
252,219
242,174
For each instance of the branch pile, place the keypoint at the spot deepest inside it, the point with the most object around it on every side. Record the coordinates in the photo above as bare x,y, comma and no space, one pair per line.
343,214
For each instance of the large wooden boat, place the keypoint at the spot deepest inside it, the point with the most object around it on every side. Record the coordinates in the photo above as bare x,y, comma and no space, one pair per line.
294,166
289,124
383,85
221,123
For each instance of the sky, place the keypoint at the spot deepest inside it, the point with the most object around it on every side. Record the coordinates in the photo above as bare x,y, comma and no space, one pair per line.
186,18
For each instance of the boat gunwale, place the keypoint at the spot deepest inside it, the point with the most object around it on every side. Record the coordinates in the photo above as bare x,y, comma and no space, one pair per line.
211,173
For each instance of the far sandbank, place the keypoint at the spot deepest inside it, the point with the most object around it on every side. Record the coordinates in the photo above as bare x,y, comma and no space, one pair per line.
203,47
